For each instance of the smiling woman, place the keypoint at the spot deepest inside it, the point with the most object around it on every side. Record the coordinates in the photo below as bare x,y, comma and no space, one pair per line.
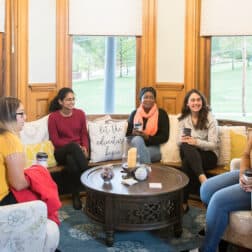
68,133
154,130
199,150
14,185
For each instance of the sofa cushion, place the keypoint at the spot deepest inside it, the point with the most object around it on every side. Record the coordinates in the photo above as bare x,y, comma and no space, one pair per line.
170,150
238,143
225,143
239,230
106,139
35,131
32,149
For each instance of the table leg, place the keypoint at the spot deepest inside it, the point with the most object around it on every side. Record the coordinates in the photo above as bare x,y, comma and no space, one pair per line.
109,225
178,230
109,238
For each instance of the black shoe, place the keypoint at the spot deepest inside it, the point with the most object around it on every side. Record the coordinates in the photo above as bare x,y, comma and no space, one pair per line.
202,232
77,204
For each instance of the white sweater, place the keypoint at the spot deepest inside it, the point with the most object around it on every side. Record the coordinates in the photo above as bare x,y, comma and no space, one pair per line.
207,139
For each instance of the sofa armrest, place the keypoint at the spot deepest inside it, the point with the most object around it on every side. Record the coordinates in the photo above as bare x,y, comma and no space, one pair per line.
235,164
23,226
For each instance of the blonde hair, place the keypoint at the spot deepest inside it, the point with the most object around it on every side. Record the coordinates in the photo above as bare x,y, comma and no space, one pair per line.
8,109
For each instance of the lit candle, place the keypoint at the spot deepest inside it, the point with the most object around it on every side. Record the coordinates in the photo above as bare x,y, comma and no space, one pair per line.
132,154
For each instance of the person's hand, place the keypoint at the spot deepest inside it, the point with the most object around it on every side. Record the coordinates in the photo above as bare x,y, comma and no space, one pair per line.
136,132
85,151
188,139
245,184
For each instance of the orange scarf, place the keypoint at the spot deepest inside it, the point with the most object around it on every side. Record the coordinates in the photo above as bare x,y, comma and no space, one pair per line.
152,122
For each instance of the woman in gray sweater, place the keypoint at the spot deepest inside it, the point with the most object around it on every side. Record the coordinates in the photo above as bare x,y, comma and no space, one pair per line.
198,140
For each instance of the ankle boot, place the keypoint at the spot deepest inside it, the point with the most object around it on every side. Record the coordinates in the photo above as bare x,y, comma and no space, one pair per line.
77,205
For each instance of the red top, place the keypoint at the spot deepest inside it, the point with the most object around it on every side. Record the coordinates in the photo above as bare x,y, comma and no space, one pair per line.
64,130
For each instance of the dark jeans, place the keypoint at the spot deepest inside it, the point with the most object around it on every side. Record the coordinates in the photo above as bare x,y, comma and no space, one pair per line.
74,161
8,200
194,163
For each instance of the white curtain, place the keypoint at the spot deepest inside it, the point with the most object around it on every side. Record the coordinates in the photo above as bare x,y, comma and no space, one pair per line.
105,17
226,17
2,15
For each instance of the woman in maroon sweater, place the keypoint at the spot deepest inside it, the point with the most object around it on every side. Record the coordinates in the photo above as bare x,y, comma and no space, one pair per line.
68,133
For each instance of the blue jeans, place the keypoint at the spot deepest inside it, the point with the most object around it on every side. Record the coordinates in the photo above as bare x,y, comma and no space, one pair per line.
147,154
222,194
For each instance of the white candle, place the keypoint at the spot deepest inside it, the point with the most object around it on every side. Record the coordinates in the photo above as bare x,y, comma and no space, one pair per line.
132,154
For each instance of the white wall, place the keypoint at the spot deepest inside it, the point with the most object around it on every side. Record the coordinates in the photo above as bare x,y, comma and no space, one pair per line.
170,41
42,41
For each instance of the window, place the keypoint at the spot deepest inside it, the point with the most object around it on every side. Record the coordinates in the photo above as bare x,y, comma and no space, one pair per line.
89,75
231,77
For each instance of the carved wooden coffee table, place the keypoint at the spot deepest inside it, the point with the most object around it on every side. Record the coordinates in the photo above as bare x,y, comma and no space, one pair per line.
136,207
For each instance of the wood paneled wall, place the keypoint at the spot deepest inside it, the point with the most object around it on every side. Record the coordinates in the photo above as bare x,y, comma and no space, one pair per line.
37,97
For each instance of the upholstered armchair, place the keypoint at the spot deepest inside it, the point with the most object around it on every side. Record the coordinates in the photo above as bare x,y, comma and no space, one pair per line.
239,230
25,227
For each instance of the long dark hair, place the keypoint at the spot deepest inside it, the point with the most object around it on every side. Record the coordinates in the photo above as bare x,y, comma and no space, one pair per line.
62,93
8,109
203,113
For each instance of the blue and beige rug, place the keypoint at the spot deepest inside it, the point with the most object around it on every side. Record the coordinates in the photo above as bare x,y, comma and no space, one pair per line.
78,233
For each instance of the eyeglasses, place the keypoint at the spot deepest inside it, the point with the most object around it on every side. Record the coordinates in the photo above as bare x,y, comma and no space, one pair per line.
20,113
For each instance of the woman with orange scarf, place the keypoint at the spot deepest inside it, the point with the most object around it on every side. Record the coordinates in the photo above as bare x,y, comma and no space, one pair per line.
148,127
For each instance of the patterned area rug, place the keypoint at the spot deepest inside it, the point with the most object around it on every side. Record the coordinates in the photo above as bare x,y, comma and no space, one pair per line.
80,233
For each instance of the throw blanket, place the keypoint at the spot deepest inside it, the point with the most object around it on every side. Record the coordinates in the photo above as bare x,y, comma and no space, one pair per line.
42,187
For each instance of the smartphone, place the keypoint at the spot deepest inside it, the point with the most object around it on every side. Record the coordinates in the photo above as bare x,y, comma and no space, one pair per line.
187,131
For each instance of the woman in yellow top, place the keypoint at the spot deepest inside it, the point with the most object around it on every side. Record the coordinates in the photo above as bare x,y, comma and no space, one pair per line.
12,157
12,161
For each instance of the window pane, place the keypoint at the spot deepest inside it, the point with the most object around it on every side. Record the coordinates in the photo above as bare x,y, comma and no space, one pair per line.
88,73
231,78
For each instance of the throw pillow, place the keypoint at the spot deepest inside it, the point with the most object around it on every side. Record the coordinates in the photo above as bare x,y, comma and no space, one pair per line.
238,143
224,144
32,149
35,131
106,139
170,150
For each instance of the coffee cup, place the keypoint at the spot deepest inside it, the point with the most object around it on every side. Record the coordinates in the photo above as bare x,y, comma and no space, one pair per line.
187,131
138,126
42,158
248,175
